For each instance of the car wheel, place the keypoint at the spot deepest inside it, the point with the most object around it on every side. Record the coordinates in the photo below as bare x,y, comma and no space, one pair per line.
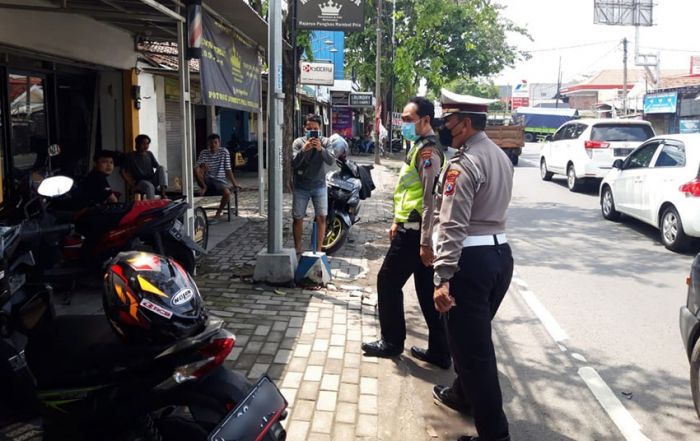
572,181
607,205
546,175
529,137
672,234
695,376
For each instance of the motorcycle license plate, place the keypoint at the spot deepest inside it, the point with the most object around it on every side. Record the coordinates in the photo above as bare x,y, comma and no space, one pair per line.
176,229
253,416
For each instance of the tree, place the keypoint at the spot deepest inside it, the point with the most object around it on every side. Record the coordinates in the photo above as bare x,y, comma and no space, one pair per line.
436,40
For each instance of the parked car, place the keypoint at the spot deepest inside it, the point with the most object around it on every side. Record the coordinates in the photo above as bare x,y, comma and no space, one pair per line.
658,184
584,150
690,330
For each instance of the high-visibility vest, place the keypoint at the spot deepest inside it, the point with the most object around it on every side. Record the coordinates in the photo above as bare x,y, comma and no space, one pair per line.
408,195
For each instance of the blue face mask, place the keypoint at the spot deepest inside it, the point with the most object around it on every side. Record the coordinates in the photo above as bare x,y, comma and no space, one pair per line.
408,130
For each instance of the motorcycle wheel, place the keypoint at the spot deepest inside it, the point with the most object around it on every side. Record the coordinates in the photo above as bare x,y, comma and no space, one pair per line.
336,235
181,253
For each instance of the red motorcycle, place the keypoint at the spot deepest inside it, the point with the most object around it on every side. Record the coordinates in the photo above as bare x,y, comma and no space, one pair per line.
154,225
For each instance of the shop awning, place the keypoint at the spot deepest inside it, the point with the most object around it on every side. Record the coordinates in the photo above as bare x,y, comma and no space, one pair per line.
155,19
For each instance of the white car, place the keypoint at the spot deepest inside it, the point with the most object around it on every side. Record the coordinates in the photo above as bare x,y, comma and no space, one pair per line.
658,184
584,150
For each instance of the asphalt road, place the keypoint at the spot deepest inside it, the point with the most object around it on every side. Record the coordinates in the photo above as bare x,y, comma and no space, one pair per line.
587,338
606,298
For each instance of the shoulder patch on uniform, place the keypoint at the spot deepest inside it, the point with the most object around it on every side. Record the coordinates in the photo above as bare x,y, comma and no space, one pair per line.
426,153
451,181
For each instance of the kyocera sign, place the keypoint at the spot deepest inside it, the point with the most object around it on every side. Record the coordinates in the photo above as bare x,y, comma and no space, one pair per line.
321,74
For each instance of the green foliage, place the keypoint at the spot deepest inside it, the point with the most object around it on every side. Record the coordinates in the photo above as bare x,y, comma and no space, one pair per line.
439,40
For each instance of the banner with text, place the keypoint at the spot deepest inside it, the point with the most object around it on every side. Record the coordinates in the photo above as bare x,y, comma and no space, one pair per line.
330,15
229,68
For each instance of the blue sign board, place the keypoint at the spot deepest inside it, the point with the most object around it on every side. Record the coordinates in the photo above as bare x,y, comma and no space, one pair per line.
661,103
689,125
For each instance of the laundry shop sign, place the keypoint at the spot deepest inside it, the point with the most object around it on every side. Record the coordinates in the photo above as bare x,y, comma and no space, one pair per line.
315,73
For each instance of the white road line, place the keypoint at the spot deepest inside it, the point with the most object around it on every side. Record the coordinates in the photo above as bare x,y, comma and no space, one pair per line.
624,421
621,417
550,324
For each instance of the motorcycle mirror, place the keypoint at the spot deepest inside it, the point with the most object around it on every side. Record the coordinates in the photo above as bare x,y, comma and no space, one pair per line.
55,186
54,150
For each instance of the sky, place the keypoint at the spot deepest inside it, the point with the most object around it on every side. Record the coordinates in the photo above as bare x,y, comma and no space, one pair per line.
557,25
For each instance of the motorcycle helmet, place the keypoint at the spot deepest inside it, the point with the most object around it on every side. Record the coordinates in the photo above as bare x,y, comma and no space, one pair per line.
151,298
339,146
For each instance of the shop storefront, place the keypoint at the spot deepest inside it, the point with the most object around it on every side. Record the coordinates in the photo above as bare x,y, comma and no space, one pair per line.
675,107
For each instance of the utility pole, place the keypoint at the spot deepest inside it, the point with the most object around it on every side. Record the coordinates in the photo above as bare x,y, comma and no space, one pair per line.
391,104
377,86
624,77
276,264
558,83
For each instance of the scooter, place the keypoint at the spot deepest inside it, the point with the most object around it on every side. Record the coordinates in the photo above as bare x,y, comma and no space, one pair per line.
86,383
344,195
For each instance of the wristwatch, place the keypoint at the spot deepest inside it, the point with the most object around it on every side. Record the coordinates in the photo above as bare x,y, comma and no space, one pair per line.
437,280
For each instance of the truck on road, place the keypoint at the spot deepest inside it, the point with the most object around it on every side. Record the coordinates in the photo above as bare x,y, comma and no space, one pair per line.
540,122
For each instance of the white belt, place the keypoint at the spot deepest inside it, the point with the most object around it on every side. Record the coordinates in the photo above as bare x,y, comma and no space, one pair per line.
485,240
410,225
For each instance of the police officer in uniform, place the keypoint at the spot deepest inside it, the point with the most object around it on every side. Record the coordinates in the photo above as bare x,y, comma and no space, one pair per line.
473,261
411,251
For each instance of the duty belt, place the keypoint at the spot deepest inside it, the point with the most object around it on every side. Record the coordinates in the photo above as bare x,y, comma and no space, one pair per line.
485,240
409,226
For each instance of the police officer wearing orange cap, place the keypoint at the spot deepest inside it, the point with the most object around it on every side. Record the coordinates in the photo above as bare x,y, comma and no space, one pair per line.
473,261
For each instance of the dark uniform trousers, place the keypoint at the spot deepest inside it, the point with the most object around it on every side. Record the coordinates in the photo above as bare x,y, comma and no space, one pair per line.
478,289
402,260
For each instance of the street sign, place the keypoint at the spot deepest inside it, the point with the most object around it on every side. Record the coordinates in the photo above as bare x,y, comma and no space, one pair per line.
661,103
321,74
396,120
361,100
331,15
695,65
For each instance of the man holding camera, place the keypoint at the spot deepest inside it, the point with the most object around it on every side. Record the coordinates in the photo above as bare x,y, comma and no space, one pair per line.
310,153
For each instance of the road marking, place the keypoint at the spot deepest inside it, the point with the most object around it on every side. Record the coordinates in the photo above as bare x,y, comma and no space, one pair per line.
624,421
550,324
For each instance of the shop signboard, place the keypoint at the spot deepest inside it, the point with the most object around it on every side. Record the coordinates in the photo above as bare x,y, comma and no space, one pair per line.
342,121
396,120
660,102
320,74
361,100
689,126
695,65
331,15
230,68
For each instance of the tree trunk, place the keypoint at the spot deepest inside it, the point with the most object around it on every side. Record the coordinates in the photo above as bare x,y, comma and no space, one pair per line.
289,89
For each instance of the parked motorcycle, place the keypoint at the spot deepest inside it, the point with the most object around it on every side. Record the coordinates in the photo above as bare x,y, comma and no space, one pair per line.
151,370
344,195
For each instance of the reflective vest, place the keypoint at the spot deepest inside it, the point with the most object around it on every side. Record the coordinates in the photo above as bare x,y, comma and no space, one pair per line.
408,196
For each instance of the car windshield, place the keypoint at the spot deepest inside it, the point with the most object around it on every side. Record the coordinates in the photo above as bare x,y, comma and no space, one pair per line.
621,132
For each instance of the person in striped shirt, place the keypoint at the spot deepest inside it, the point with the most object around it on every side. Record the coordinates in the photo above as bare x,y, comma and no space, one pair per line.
214,173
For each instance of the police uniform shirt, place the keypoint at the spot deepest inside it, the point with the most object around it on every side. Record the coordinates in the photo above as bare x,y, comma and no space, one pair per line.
474,193
429,163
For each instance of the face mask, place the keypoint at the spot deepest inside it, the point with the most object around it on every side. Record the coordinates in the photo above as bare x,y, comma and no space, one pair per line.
408,130
445,135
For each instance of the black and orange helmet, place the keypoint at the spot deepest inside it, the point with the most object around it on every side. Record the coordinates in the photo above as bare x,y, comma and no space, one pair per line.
151,298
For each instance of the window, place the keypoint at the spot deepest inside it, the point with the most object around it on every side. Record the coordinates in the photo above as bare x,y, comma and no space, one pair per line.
559,134
28,124
641,158
672,155
621,132
580,128
568,131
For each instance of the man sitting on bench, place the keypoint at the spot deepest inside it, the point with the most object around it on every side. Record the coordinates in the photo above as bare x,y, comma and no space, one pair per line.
213,172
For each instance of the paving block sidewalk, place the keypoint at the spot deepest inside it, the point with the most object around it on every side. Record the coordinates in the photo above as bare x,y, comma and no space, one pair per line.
307,341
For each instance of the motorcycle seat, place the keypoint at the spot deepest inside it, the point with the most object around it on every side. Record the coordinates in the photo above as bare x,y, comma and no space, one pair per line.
82,350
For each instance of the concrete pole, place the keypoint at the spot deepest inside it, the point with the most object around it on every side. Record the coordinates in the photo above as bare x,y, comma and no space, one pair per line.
186,133
624,79
277,265
274,129
261,157
377,86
